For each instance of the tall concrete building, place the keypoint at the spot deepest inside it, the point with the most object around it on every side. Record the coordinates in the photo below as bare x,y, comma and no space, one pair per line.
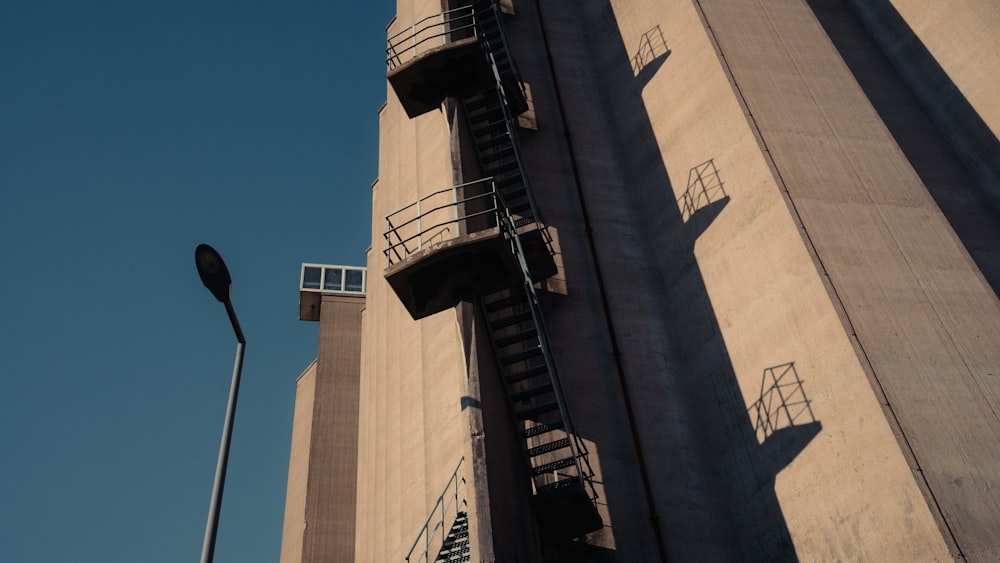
666,280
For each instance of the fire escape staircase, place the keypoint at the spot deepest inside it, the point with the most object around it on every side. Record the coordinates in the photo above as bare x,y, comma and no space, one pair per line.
485,241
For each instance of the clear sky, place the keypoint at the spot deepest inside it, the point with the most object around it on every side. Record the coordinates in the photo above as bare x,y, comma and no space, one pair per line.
129,133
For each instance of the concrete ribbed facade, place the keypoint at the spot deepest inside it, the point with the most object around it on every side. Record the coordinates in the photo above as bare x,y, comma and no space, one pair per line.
775,315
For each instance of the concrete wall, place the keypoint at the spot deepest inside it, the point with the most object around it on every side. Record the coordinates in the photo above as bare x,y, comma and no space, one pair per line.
910,292
413,429
778,362
710,306
948,53
948,180
293,530
579,337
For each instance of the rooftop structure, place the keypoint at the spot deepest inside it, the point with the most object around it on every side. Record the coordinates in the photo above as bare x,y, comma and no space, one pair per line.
318,279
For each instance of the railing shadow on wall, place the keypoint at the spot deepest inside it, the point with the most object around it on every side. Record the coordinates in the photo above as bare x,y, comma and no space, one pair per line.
707,496
705,193
783,418
650,54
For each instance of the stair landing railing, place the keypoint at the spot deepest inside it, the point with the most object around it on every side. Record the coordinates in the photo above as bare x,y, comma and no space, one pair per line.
442,215
427,33
449,502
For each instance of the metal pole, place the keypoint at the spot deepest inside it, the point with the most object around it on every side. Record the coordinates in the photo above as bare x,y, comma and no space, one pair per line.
420,232
212,528
454,207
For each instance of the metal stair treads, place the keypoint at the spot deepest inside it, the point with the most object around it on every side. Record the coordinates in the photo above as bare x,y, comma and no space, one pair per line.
532,412
521,355
549,447
511,320
533,371
533,392
539,429
555,465
528,334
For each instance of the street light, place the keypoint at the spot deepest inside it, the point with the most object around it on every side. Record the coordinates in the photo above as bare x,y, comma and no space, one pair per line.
215,276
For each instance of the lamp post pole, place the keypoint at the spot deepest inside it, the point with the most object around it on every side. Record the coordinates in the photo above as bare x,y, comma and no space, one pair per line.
215,276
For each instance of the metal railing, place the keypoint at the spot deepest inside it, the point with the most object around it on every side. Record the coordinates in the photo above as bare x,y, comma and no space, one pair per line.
449,25
584,471
455,483
430,218
511,124
495,13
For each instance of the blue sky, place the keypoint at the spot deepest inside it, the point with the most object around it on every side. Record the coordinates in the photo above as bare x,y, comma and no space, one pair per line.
129,133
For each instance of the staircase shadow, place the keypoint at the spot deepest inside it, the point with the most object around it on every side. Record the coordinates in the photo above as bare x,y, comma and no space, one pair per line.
455,547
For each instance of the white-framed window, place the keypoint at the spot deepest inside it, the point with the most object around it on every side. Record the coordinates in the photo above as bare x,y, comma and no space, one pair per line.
333,278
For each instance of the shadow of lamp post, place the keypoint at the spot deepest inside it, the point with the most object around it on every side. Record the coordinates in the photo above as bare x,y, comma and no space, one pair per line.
215,276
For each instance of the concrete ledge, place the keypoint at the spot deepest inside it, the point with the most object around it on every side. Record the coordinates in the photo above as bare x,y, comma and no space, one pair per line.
457,68
480,263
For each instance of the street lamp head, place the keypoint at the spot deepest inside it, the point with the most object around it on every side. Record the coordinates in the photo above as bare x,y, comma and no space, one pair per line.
213,272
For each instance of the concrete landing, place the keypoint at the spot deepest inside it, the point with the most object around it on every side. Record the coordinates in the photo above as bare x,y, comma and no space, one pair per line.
439,276
457,68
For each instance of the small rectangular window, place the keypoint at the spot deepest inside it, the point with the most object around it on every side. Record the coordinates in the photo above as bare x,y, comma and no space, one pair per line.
355,281
310,278
333,279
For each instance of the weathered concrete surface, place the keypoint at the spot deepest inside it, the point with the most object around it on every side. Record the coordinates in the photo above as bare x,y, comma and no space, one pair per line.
923,316
320,511
956,191
704,303
813,260
412,429
293,530
949,54
578,334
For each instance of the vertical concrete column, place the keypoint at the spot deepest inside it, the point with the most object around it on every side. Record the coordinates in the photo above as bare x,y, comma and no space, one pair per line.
322,474
948,54
921,315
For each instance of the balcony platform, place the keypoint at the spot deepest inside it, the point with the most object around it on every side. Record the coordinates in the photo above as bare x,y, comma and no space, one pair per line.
457,68
439,276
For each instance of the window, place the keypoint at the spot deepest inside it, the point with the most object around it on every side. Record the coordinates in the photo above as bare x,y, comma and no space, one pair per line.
333,279
341,279
310,277
355,281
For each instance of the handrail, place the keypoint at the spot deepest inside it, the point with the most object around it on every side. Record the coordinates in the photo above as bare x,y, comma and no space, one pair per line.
438,208
441,191
396,238
444,507
508,117
543,341
402,242
432,16
495,7
443,20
